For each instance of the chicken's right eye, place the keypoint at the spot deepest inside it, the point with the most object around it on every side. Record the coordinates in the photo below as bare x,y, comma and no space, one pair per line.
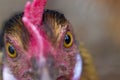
11,51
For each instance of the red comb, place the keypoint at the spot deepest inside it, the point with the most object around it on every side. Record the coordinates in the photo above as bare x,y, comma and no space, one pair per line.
34,11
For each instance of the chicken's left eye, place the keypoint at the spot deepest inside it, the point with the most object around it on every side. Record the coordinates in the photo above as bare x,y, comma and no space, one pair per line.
11,51
68,40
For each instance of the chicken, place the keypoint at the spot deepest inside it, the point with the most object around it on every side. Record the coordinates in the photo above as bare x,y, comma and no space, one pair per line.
43,49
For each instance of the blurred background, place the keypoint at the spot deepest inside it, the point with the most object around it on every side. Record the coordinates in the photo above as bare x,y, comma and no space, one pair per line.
96,23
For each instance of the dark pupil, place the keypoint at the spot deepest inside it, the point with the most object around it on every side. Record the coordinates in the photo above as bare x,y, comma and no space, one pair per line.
67,39
11,49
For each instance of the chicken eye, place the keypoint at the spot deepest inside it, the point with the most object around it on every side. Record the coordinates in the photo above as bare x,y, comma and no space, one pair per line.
11,51
68,40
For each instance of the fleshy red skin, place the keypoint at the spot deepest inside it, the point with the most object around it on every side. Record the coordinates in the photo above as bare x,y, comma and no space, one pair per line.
32,20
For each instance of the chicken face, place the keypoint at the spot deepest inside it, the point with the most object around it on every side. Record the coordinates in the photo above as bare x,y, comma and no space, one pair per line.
56,59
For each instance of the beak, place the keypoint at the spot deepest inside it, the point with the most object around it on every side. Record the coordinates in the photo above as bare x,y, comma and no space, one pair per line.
43,68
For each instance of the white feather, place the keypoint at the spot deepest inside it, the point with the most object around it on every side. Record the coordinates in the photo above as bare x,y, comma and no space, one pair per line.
78,68
7,75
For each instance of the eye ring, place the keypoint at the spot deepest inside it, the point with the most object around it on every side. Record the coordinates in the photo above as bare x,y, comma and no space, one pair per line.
11,51
68,39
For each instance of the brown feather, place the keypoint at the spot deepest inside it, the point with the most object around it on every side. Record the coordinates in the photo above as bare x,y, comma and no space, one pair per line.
15,26
89,72
54,22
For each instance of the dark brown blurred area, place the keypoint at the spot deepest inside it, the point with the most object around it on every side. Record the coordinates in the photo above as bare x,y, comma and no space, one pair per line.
96,23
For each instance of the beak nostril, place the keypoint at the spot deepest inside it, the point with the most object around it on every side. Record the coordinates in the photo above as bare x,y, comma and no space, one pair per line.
63,68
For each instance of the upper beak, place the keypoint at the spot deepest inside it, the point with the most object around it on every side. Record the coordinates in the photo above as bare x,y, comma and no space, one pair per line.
43,68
